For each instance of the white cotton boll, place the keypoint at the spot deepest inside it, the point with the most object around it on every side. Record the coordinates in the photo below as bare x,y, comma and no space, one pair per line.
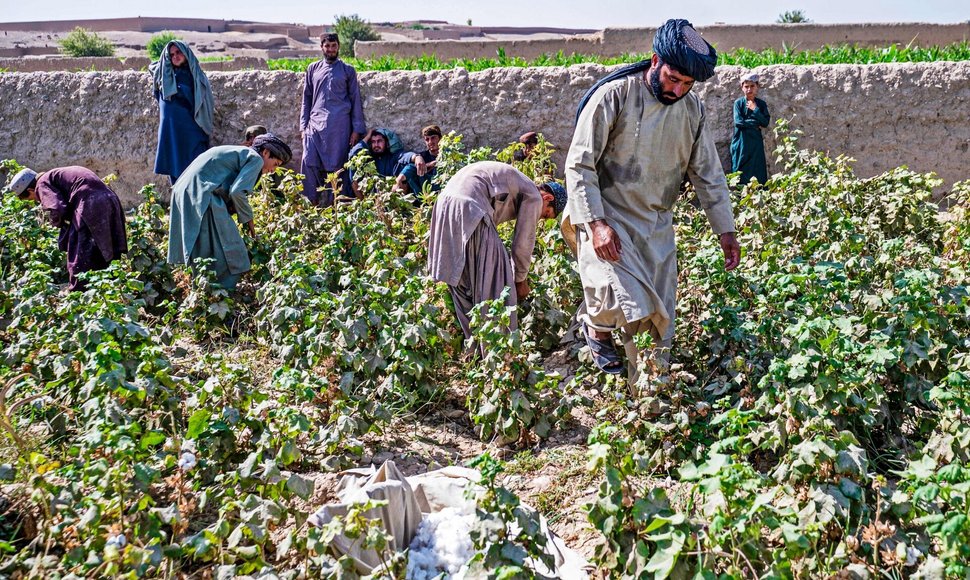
189,445
912,556
187,461
442,544
118,541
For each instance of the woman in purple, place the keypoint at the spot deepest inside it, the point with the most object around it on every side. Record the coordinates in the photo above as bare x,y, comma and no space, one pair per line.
88,213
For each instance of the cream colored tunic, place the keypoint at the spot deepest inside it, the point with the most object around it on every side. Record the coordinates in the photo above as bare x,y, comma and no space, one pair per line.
484,190
626,163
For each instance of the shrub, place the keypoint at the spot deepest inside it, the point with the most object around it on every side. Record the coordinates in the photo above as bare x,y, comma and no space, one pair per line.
793,17
82,42
157,42
350,29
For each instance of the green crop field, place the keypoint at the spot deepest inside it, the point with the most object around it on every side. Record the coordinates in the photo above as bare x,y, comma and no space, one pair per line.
813,422
845,54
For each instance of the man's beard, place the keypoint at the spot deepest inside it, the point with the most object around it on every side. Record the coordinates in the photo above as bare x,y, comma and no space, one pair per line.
330,58
664,98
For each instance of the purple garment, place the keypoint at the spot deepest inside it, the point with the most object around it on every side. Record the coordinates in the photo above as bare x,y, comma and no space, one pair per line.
90,217
332,110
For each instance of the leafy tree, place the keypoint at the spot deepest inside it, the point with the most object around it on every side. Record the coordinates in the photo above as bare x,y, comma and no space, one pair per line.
793,17
82,42
350,29
157,42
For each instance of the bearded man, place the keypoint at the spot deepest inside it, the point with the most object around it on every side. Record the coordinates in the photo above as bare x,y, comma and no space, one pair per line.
636,138
331,122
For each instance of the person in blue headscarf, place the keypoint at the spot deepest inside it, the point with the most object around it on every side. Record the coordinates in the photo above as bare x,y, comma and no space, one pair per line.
635,139
185,106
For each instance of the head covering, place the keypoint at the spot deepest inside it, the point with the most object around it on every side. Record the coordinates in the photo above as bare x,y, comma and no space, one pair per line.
529,138
276,147
329,37
163,75
751,77
558,195
254,131
679,45
23,178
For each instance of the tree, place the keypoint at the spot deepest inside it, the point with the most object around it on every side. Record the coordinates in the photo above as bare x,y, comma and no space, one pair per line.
350,29
793,17
157,42
82,42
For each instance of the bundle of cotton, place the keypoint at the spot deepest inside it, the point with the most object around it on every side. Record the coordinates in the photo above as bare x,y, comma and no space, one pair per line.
442,544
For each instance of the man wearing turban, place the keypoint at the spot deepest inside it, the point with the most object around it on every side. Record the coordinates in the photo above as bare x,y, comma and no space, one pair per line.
636,138
212,188
464,248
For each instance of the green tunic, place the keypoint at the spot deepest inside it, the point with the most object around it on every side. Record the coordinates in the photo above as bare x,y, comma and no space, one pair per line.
628,158
747,144
201,225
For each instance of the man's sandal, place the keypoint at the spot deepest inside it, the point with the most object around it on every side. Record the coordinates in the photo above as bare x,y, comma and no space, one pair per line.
604,353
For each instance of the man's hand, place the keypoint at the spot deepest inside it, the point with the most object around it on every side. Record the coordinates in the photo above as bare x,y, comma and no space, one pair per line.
251,228
522,289
420,165
355,138
731,249
752,105
605,240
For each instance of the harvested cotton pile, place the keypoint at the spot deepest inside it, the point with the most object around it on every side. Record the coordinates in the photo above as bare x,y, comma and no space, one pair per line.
442,544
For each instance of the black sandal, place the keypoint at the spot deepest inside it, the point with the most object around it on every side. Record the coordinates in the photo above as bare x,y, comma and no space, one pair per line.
604,353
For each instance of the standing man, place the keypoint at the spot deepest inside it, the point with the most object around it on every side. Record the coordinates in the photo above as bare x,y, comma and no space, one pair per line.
331,121
465,250
635,140
87,212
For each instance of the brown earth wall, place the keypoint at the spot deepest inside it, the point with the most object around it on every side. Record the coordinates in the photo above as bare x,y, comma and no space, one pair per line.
882,115
617,41
135,63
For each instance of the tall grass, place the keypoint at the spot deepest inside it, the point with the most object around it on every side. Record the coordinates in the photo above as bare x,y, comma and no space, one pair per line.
843,54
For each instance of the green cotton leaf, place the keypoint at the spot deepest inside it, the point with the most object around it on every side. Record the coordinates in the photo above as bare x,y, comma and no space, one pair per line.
151,439
689,472
300,486
169,515
289,453
850,461
219,309
663,561
247,552
955,525
879,356
514,553
284,546
509,572
922,468
798,364
198,423
248,466
793,536
92,514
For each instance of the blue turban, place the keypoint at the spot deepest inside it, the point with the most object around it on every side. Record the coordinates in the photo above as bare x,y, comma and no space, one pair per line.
679,45
558,196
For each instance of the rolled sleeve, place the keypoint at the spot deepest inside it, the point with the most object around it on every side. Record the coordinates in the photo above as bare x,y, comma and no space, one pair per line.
585,202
